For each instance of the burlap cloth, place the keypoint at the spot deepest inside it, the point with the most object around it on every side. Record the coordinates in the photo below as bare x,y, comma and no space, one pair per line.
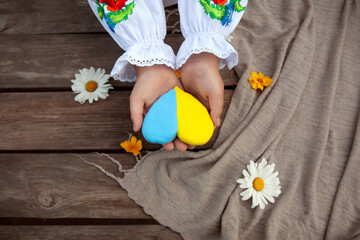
307,123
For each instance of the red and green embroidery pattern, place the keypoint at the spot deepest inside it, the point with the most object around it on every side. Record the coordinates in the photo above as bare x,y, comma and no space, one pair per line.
221,10
117,11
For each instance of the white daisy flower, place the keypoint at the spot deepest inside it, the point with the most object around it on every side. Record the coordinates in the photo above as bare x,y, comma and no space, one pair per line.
91,85
261,182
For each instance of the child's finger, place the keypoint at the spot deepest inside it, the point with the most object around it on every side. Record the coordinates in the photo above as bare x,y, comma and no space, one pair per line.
137,111
169,146
181,146
216,103
191,147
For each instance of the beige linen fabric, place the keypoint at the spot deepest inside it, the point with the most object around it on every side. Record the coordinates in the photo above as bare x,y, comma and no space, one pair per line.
307,123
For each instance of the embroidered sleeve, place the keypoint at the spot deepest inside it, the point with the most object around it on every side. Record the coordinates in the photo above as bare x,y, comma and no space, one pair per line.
138,27
206,24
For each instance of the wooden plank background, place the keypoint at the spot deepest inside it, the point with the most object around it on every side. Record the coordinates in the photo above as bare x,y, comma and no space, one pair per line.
46,191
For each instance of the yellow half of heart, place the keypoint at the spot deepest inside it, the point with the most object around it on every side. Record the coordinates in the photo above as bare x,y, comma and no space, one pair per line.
195,126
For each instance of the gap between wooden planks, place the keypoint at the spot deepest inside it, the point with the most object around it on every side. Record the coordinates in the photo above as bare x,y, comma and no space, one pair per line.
60,187
36,62
53,186
118,232
51,17
54,121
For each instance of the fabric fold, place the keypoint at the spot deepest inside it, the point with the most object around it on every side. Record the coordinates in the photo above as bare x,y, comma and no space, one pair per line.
214,43
306,122
145,53
139,28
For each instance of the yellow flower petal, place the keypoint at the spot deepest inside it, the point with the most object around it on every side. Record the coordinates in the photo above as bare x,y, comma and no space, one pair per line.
254,86
267,81
259,81
261,87
254,75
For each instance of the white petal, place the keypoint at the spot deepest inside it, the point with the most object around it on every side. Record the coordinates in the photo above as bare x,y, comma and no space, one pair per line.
263,198
272,182
96,97
261,167
241,180
255,201
247,194
268,170
252,169
246,174
245,185
261,202
102,95
81,97
101,81
77,88
91,71
268,197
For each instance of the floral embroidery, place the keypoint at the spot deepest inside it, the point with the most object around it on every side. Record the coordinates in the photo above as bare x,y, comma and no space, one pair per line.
220,2
118,11
221,10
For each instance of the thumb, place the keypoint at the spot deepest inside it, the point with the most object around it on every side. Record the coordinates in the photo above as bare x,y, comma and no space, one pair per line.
216,103
137,112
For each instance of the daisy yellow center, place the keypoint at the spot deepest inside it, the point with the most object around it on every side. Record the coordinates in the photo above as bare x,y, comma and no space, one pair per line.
258,184
91,86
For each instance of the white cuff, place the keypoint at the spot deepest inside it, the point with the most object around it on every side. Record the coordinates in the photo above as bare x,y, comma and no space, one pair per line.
214,43
145,53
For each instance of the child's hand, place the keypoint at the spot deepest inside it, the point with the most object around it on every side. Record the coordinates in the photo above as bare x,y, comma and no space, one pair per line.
152,82
200,76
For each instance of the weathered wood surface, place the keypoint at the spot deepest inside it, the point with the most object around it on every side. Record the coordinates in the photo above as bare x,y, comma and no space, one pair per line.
125,232
31,62
54,121
63,186
47,192
42,17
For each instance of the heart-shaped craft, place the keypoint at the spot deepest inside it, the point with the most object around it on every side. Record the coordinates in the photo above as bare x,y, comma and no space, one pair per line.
177,113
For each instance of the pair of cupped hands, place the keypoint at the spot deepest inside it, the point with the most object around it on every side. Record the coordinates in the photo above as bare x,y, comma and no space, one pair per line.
199,76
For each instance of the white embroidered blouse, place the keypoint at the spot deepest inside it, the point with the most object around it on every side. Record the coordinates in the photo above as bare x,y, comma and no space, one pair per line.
139,27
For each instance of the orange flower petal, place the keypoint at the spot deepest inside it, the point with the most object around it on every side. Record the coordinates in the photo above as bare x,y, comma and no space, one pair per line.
254,75
136,152
178,73
254,86
261,75
139,145
259,81
124,144
133,146
267,81
261,87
